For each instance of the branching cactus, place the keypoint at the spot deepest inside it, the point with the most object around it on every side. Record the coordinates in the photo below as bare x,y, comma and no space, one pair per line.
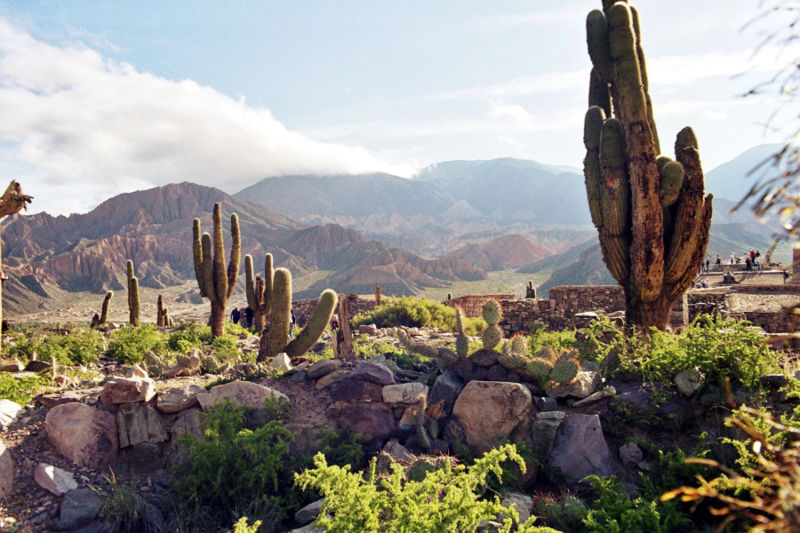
649,210
515,353
548,367
259,290
104,311
162,313
276,340
493,334
133,295
216,282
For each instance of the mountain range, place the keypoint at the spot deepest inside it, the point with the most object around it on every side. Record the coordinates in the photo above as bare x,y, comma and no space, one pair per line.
455,221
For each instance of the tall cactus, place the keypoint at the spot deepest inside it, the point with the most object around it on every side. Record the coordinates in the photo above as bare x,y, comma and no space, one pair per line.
133,295
216,282
649,210
161,312
258,289
276,339
104,312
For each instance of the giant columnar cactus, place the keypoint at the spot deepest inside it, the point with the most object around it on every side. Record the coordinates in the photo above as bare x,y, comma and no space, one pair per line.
133,295
276,340
259,291
215,281
104,311
649,211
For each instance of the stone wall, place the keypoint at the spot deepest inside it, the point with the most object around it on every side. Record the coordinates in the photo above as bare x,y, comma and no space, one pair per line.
357,305
472,304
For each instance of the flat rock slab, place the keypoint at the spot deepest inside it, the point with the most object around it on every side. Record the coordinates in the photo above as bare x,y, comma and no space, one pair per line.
8,412
120,390
80,506
374,372
405,393
244,393
6,471
580,449
177,399
139,423
491,410
355,390
83,434
323,368
309,513
371,421
584,384
51,400
186,422
54,479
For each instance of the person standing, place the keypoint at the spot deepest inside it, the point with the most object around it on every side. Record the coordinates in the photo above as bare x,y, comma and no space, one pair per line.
235,315
291,323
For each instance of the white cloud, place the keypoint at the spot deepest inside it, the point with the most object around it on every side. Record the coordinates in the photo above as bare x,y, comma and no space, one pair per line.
73,118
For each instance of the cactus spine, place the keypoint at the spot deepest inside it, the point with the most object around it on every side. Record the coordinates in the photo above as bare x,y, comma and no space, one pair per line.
650,212
259,290
133,295
104,312
493,334
216,282
276,339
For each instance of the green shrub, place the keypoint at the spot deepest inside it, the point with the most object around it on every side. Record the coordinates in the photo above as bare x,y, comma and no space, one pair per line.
566,514
78,347
225,349
83,346
237,329
719,347
129,344
235,467
242,526
557,340
22,390
447,499
189,335
615,512
416,312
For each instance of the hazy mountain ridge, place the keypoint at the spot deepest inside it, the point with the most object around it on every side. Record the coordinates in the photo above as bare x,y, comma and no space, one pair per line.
45,254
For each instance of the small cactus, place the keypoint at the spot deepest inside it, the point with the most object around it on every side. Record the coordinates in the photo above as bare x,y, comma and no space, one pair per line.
133,295
462,342
104,311
493,334
548,367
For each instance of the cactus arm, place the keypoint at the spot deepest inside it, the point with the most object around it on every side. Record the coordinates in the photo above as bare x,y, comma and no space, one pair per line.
615,192
689,216
597,39
281,307
269,275
643,71
593,122
236,251
249,282
207,286
134,301
598,93
197,254
316,326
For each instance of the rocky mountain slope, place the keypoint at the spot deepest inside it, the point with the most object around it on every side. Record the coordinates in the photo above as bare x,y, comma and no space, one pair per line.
44,255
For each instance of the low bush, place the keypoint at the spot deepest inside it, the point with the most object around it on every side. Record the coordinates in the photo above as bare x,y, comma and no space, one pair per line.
446,499
238,468
557,340
416,312
189,335
22,390
129,344
717,346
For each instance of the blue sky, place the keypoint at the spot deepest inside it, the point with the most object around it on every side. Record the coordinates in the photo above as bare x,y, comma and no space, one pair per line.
101,97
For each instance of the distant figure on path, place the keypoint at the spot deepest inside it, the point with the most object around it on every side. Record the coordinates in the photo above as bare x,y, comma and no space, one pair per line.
785,276
235,315
719,262
708,264
248,317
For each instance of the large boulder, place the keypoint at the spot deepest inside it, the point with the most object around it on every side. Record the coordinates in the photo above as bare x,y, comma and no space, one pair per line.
371,421
355,390
244,393
323,367
120,390
491,410
6,471
584,384
580,449
85,435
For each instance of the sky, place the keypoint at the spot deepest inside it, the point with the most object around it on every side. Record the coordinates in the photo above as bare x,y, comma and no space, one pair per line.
100,97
